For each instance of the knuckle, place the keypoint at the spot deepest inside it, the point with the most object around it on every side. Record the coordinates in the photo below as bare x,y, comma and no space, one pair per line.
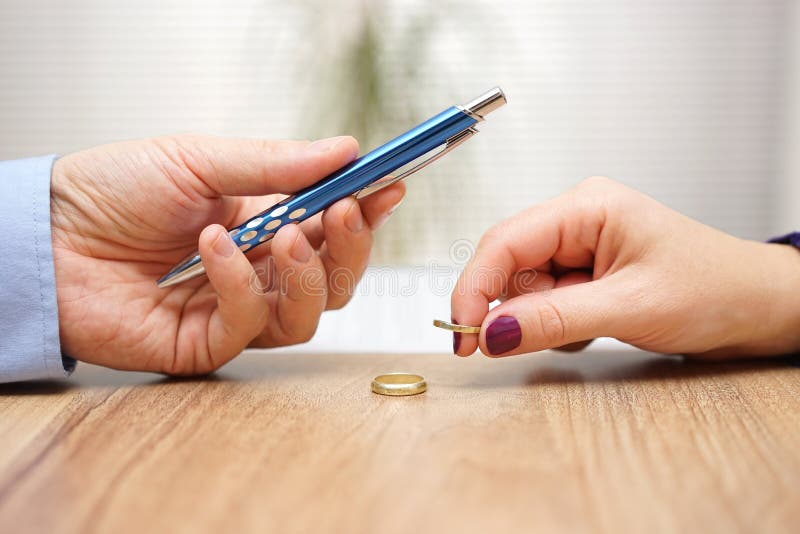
490,236
186,152
601,186
493,238
184,139
337,303
594,181
261,323
604,195
174,370
188,367
598,185
296,334
266,146
184,146
342,283
305,335
550,323
207,368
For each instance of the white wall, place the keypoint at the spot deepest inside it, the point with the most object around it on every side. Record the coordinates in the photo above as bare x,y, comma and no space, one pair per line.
682,99
787,213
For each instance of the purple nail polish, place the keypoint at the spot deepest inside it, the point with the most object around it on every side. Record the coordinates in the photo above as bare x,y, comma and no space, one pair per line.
456,337
503,335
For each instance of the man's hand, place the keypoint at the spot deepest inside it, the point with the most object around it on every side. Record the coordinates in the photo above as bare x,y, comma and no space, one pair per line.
124,214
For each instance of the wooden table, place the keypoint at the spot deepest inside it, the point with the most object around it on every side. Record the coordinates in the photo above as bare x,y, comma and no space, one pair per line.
602,442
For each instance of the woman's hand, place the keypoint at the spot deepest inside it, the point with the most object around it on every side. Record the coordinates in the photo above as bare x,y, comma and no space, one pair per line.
124,214
605,260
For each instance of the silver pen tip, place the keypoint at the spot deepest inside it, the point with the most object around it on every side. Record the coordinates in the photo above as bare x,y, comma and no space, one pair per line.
176,277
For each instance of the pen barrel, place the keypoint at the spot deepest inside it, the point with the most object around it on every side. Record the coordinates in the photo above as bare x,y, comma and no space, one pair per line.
350,179
385,159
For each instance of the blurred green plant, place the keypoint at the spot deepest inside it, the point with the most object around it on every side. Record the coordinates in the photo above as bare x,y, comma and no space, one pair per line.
364,75
364,72
368,63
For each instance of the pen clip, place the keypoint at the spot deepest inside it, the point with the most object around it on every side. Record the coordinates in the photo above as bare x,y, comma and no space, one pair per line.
448,145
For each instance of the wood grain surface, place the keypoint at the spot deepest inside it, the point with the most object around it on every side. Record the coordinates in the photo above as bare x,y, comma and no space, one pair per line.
601,441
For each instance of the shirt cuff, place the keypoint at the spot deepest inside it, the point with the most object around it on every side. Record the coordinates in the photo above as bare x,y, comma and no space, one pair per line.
29,338
792,238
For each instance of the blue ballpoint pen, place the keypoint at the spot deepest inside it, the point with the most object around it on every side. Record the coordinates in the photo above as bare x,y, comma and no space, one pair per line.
367,174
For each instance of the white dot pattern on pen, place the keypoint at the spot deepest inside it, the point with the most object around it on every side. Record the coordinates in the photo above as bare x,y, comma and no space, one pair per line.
277,212
263,227
299,212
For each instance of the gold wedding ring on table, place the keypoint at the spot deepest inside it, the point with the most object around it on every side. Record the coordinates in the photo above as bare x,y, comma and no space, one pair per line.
463,329
399,384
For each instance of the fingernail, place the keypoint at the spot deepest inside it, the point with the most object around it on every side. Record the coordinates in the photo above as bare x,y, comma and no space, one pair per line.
393,208
326,145
456,337
503,335
223,245
385,217
353,219
301,249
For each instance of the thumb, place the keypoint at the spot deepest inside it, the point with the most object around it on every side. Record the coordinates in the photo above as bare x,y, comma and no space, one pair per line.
553,318
229,166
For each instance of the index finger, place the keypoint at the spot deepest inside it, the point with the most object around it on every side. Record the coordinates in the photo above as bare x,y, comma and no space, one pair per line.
227,166
559,230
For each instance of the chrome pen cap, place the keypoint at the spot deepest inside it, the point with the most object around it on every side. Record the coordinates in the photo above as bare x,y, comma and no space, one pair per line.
485,104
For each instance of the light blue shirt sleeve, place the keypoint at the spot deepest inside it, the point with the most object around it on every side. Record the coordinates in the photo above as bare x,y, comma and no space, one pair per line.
29,342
